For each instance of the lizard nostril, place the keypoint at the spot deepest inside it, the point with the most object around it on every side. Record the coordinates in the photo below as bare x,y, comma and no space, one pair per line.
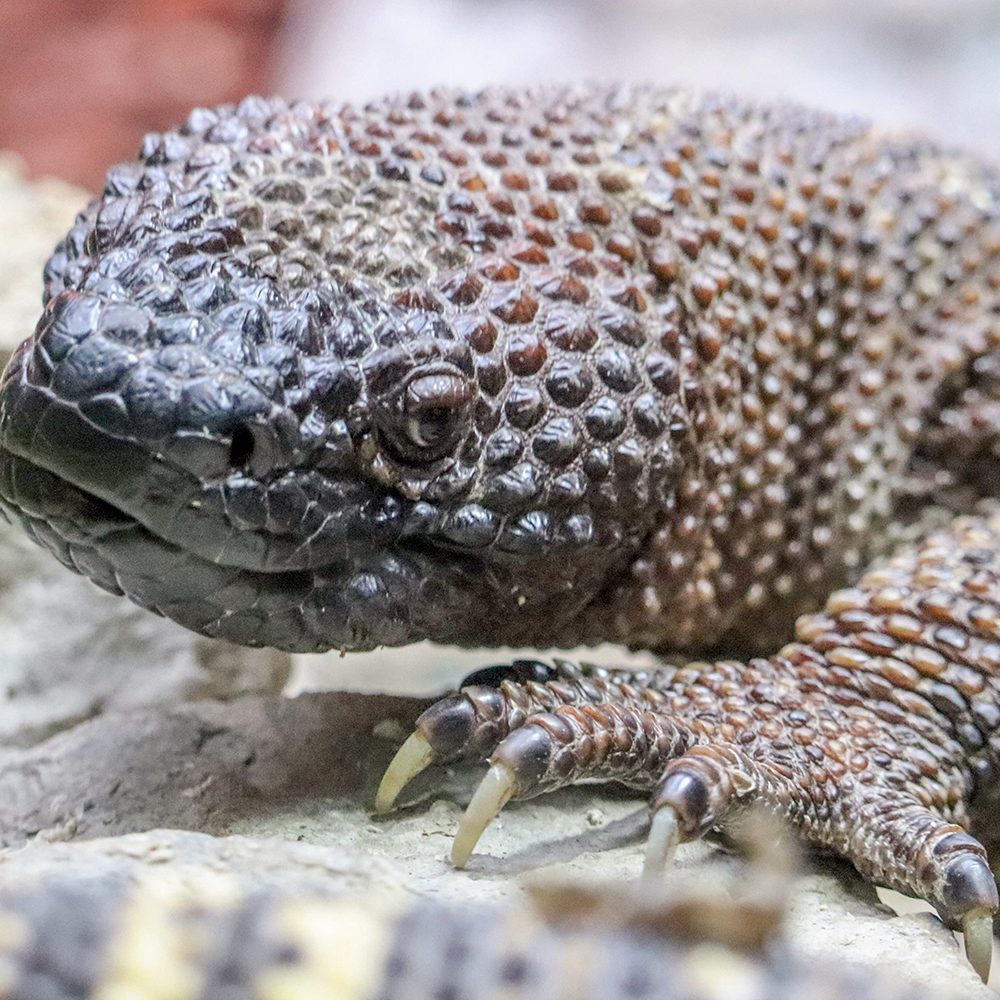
241,447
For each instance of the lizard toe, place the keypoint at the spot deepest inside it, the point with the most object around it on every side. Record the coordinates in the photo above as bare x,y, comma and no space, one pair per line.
517,769
969,900
493,703
610,742
467,724
694,794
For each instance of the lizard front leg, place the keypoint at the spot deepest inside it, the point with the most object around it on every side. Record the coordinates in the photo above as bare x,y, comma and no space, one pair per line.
864,735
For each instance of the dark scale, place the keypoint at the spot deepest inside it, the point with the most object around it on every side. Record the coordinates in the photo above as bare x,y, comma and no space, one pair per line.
558,367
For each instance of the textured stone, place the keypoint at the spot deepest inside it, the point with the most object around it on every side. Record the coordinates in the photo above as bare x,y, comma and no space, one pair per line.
204,766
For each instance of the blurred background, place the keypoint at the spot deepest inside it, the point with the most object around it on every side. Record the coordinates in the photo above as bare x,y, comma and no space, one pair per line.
82,80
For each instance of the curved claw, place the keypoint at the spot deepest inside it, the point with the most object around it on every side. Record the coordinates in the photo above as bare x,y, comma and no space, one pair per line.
411,758
977,928
493,793
661,845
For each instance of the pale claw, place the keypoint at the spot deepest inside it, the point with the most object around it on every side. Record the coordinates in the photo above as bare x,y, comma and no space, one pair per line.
493,793
411,758
664,836
977,926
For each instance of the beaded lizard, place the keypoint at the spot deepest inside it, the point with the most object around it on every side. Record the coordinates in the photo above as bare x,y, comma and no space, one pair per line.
557,367
204,934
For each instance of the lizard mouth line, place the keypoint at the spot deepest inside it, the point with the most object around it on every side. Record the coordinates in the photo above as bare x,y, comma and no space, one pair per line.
32,493
35,495
70,471
375,596
253,607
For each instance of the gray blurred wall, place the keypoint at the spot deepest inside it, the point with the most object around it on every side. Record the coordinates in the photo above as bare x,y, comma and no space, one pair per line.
929,64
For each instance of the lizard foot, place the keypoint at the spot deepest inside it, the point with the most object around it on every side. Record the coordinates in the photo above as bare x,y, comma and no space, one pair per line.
471,723
864,736
706,758
893,838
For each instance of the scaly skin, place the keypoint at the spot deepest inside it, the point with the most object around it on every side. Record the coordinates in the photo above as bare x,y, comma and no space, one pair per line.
553,368
80,938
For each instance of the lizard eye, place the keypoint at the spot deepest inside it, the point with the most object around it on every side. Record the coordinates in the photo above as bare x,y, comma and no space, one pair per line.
433,415
436,406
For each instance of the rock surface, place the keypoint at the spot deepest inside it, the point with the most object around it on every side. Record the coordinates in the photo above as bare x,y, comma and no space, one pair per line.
281,790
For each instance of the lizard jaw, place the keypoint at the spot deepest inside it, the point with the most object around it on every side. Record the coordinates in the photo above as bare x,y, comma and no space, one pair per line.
336,605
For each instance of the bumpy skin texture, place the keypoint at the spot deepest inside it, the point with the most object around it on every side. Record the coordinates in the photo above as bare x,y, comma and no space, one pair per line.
550,368
73,940
871,734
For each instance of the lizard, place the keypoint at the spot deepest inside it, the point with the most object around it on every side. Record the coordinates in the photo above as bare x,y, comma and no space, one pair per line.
549,368
204,933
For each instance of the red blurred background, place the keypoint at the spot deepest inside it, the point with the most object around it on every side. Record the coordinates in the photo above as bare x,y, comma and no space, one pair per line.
82,80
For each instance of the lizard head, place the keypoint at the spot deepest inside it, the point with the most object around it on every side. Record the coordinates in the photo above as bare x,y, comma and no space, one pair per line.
291,389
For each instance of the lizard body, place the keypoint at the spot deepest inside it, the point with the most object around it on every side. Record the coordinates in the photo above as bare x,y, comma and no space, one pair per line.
79,937
553,368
